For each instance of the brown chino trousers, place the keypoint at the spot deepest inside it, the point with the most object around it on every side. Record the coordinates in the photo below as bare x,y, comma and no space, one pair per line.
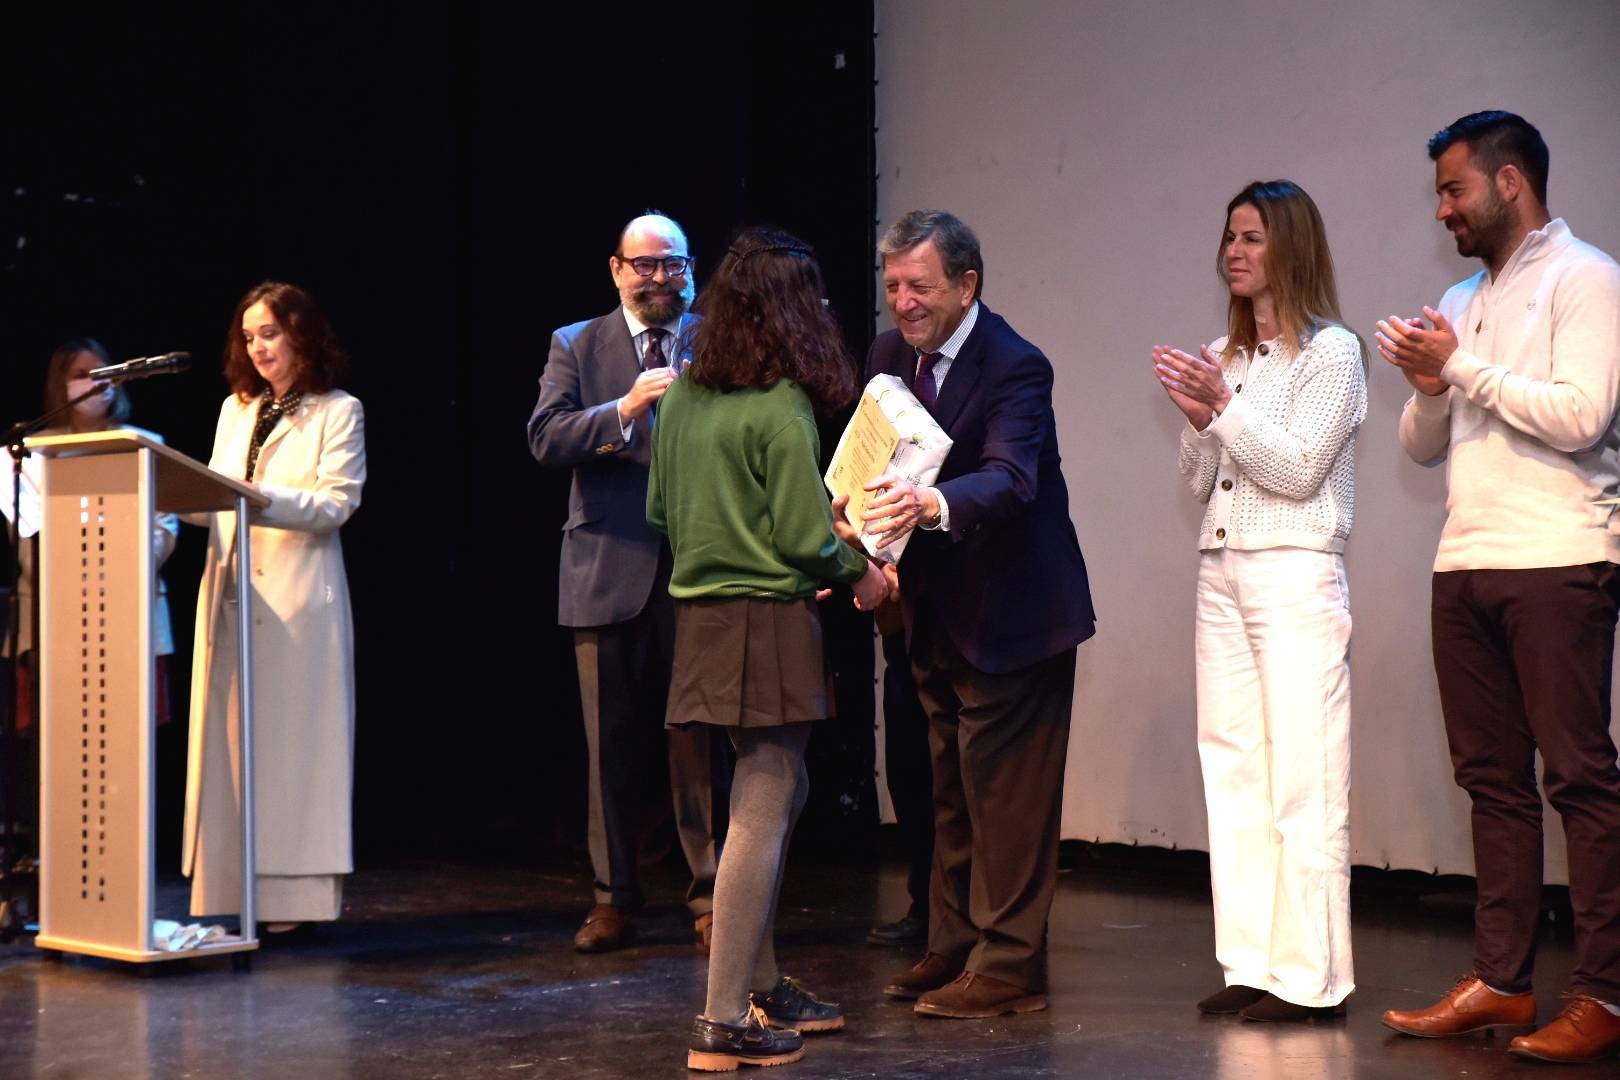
999,744
1523,660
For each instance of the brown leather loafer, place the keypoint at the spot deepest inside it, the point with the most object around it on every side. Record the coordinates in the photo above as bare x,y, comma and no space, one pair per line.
930,973
1585,1031
703,931
606,928
977,997
1470,1007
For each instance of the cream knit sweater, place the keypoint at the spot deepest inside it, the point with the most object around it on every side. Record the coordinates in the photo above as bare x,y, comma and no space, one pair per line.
1528,428
1278,467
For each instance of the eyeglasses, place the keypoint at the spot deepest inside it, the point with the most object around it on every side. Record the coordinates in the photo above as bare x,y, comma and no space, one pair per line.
647,265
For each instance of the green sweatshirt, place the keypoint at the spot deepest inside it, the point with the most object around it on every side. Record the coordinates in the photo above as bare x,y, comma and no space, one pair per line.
736,486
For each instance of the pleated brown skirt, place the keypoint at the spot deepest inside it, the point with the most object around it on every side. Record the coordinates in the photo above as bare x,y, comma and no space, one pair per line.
747,662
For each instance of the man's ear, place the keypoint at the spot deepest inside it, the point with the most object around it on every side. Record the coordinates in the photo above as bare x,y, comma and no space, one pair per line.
1509,183
970,278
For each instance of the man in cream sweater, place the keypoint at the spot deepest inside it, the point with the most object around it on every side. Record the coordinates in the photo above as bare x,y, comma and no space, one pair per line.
1516,390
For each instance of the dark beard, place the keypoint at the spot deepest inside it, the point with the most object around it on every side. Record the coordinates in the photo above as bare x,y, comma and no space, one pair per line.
656,306
1489,233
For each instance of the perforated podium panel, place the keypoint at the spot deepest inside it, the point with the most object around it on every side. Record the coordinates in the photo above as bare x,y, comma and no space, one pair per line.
96,688
100,495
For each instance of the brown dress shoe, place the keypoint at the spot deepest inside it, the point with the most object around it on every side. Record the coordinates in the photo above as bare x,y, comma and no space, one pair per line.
1470,1007
703,930
930,973
977,997
1585,1031
606,928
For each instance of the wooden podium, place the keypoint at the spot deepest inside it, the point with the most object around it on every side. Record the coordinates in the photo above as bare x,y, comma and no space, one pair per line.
97,583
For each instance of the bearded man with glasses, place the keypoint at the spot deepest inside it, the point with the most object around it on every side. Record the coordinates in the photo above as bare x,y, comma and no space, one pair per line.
598,403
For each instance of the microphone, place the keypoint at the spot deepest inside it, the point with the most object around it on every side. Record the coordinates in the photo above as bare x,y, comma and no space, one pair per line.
141,368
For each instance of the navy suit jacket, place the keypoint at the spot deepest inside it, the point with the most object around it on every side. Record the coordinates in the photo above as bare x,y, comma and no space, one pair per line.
609,552
1008,582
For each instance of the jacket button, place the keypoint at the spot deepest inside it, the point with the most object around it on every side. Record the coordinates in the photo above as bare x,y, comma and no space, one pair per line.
1220,534
1226,485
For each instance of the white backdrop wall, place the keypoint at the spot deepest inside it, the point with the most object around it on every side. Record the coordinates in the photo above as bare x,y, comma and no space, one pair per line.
1093,147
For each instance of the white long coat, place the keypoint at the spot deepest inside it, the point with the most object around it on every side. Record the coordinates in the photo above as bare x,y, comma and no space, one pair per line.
312,467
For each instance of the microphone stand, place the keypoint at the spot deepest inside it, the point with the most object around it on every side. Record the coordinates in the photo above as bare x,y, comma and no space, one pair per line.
19,856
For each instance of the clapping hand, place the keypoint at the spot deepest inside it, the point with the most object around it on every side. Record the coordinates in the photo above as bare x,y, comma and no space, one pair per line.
1418,351
1196,384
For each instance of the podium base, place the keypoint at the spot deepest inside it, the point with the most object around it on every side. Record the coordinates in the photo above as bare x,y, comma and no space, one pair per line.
230,943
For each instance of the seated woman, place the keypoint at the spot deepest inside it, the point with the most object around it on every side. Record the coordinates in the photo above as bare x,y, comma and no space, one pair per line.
66,377
287,430
735,484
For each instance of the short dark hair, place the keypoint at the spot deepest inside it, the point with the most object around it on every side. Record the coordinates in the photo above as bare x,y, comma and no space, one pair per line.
957,246
321,360
1495,139
56,376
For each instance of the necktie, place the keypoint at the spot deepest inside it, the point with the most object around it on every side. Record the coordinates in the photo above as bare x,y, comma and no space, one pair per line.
654,356
925,389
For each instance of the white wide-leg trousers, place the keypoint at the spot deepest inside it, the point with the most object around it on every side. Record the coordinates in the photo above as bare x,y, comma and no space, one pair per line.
1273,646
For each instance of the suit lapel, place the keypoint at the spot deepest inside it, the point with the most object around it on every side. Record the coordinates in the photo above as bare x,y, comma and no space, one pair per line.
285,424
615,355
963,374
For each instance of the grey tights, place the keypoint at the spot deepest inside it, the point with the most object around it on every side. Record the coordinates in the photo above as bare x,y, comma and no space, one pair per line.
768,790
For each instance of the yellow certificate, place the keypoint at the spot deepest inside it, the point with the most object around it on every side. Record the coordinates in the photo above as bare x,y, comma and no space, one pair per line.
864,452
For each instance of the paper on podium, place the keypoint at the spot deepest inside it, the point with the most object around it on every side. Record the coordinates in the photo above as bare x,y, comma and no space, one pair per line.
889,431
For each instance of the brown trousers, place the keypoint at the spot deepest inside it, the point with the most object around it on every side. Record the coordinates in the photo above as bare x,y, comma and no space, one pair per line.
1523,660
999,744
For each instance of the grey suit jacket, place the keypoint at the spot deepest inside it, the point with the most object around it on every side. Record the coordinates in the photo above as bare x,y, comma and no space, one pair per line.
609,552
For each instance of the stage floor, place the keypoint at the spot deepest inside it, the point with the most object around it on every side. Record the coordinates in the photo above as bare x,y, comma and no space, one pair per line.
451,971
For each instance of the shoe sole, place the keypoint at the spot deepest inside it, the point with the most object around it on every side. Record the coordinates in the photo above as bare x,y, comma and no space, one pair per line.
806,1027
706,1061
604,946
1033,1003
1490,1031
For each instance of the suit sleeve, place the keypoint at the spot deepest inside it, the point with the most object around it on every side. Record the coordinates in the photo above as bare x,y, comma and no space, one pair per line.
340,472
565,431
1018,418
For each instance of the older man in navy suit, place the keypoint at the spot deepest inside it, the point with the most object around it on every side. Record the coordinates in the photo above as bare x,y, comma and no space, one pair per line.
995,598
598,401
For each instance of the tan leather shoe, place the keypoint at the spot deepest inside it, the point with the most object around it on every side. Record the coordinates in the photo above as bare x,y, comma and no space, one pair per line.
930,973
703,931
606,928
976,997
1470,1007
1585,1031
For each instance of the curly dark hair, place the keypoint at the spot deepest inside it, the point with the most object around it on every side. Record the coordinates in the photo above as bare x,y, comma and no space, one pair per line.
764,319
321,360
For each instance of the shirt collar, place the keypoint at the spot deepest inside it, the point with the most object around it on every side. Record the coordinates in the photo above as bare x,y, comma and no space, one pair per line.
637,327
953,344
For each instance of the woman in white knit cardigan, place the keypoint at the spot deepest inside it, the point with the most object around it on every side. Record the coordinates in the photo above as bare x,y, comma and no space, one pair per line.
1272,410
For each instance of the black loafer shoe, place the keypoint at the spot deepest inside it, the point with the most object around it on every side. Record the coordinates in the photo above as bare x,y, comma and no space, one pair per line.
790,1005
1234,999
908,931
1274,1010
716,1047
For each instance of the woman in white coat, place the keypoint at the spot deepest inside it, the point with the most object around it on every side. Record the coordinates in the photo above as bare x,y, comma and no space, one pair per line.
287,430
1272,410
